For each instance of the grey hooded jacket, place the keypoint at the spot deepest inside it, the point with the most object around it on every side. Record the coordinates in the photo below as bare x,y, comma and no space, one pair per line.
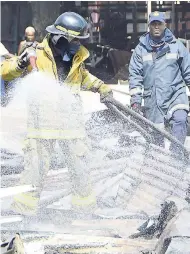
160,78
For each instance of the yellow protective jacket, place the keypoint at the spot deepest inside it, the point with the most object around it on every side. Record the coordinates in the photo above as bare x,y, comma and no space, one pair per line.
78,77
40,123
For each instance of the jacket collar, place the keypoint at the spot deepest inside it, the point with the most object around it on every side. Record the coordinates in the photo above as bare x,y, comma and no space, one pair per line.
81,55
169,38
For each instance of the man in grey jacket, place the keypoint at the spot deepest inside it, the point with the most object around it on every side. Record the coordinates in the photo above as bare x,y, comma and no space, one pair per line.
159,72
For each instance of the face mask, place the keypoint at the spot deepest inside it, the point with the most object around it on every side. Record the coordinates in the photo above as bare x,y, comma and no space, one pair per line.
60,43
55,38
71,51
65,49
74,47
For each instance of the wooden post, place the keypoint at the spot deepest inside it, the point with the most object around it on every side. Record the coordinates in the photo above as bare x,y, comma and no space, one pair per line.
43,15
173,18
149,8
176,23
134,13
15,24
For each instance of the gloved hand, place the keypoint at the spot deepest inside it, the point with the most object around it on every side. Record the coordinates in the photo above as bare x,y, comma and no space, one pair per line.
106,97
137,108
30,51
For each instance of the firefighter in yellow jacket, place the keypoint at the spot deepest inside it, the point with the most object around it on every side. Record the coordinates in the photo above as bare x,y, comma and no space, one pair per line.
62,56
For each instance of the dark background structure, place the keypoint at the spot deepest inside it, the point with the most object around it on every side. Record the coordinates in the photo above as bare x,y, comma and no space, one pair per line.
118,20
114,26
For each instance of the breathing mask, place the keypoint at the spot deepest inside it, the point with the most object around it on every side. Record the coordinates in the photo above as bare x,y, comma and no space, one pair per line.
67,48
74,47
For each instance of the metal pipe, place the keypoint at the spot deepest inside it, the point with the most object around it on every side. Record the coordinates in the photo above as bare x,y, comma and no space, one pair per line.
149,9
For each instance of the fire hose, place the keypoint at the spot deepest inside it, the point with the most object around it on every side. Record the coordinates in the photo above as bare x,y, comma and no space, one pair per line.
124,112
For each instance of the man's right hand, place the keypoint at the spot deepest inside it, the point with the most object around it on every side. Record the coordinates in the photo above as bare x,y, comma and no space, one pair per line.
24,58
137,108
105,98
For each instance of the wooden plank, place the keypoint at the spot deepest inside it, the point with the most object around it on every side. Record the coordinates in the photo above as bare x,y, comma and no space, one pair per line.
89,244
117,227
10,219
6,192
107,249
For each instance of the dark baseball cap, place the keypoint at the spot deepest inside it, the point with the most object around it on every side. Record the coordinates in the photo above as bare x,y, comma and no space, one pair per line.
156,16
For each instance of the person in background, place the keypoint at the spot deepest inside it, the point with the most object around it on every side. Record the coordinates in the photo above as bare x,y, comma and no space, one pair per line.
30,37
159,72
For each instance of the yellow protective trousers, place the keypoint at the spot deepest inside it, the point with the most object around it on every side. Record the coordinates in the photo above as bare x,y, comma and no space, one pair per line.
37,158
